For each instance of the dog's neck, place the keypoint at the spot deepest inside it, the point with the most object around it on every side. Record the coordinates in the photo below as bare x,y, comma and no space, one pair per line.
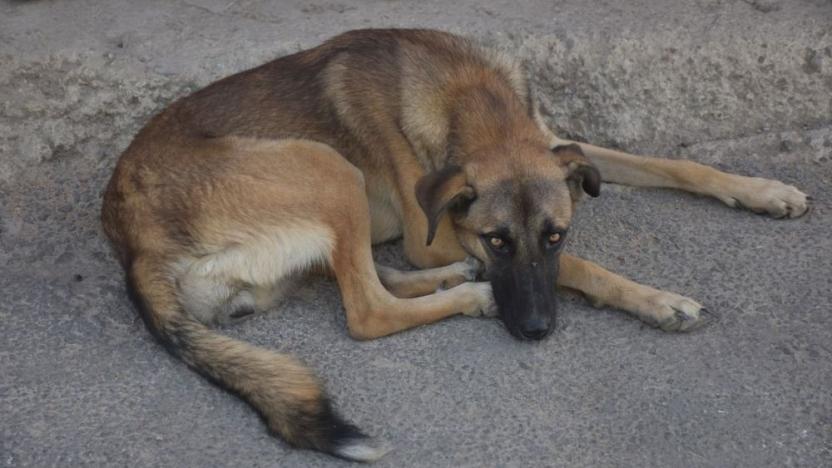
487,116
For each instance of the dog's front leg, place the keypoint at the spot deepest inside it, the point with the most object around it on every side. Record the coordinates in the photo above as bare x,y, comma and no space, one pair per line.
754,193
666,310
372,310
423,282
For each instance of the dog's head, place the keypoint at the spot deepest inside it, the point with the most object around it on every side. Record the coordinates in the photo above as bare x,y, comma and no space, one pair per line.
513,212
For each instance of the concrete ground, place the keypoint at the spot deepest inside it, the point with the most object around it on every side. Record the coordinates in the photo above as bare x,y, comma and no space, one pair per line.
745,85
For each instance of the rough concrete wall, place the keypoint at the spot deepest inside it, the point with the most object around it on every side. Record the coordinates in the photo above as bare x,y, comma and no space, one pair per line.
645,75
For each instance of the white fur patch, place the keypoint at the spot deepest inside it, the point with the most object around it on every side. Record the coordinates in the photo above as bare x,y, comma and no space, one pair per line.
264,257
364,450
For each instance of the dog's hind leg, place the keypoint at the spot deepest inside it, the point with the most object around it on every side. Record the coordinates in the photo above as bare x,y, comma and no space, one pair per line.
666,310
754,193
422,282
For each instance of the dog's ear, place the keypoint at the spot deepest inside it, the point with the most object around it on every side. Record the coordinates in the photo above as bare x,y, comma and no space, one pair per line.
578,168
439,190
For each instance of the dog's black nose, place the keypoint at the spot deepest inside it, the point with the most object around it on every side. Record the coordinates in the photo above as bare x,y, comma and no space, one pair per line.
535,329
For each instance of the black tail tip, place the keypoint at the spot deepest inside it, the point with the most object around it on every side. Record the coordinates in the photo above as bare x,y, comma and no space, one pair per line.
348,442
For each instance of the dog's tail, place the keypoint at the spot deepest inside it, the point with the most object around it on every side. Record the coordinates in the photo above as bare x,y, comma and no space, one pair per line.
286,393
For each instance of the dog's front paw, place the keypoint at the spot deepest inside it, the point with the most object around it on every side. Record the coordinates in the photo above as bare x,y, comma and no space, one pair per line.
768,196
461,272
470,268
481,300
673,313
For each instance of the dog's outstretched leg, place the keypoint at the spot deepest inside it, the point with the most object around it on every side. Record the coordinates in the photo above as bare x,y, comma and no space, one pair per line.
754,193
666,310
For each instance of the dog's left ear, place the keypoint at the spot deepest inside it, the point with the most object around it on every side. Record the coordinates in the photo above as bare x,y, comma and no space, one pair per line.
578,168
439,190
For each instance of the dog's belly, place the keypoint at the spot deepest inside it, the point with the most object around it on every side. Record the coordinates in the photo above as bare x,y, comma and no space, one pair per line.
385,221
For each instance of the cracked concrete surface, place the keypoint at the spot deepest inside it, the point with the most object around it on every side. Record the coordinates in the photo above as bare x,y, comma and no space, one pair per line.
742,85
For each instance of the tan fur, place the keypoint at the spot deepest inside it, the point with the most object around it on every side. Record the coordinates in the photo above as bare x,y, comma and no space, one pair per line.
301,164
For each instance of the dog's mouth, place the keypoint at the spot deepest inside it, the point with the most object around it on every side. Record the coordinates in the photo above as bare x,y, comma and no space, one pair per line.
536,332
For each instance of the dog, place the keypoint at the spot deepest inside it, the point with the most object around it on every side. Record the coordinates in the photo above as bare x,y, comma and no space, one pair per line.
302,164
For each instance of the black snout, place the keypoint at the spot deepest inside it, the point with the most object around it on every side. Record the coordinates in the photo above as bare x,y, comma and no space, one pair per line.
525,296
535,329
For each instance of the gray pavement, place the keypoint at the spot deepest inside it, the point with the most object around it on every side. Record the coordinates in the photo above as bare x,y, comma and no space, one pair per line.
743,85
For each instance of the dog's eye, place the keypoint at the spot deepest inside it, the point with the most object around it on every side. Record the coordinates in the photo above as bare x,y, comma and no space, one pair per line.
497,242
554,239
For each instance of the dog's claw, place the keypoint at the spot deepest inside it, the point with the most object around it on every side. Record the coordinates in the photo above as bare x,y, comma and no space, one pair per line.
687,321
709,317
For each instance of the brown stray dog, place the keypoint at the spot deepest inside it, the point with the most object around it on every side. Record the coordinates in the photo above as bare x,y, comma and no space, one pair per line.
303,163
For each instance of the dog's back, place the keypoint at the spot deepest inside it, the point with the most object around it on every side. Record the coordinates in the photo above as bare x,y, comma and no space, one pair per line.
399,76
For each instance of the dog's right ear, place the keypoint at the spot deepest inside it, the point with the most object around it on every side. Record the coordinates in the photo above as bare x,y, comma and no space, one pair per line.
438,190
579,169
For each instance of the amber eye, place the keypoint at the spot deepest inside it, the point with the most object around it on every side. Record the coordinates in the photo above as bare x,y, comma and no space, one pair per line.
554,238
498,243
